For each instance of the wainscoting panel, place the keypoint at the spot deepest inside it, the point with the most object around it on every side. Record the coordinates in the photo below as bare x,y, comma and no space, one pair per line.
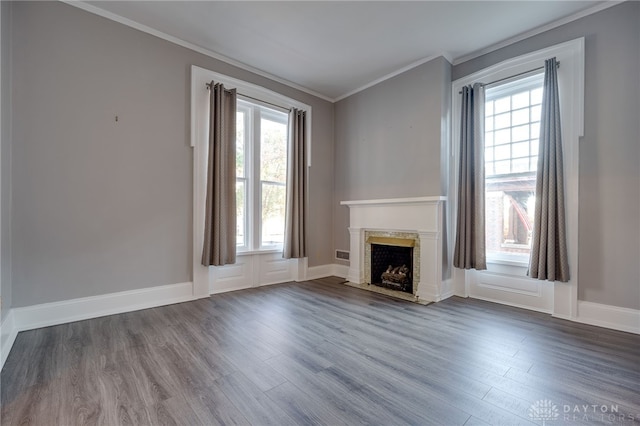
509,285
252,270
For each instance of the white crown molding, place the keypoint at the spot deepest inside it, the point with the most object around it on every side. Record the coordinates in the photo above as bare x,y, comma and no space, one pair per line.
178,41
590,11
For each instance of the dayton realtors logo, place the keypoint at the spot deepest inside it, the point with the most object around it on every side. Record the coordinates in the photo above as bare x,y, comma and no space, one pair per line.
545,410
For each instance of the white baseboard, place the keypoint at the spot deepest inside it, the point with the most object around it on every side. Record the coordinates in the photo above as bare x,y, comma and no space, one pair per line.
340,270
54,313
47,314
614,317
8,334
322,271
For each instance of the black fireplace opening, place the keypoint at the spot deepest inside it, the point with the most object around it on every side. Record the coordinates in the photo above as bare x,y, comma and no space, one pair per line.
392,267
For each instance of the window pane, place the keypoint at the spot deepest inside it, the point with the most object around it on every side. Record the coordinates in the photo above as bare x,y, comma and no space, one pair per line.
503,120
520,165
273,151
488,108
520,133
502,152
535,130
240,142
520,149
535,143
536,96
488,155
502,136
511,149
520,100
520,116
488,124
273,201
502,167
502,105
536,112
488,139
241,228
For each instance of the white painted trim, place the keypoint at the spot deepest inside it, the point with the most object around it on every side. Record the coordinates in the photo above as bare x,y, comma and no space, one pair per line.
340,271
54,313
595,9
8,334
515,305
614,317
396,201
321,271
175,40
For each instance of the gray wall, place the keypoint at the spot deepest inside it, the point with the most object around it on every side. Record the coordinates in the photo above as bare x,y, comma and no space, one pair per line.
609,228
101,206
5,167
389,141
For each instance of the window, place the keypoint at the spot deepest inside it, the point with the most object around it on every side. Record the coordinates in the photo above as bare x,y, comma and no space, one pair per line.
261,172
512,128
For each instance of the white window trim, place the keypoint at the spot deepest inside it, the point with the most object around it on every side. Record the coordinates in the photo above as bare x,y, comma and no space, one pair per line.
199,129
571,81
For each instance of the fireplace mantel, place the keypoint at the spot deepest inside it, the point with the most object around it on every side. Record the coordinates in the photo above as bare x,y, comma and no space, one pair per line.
421,215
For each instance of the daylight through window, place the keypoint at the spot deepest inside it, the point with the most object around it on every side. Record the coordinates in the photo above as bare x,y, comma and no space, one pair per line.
261,172
512,128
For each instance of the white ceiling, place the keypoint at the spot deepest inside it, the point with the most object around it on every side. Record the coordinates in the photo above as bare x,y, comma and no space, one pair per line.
334,48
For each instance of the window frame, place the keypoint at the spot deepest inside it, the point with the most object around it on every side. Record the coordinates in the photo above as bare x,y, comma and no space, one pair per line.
493,92
255,113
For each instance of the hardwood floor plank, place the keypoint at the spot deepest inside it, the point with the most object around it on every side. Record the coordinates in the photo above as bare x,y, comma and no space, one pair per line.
254,404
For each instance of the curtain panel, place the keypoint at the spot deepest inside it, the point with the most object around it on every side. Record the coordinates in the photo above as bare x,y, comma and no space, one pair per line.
219,246
469,251
295,233
549,258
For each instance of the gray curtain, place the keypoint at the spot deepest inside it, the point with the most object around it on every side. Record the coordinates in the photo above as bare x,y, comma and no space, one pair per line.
549,259
469,252
295,238
220,215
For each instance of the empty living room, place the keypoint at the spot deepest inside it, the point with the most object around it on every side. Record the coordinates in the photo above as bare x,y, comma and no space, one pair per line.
320,212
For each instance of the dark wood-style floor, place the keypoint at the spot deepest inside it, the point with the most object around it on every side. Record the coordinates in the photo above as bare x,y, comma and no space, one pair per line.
322,353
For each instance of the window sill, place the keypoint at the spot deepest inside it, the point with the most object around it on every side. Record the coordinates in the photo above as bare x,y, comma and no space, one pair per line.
262,251
509,262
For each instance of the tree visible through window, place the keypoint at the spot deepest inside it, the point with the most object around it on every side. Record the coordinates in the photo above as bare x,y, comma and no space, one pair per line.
512,128
261,169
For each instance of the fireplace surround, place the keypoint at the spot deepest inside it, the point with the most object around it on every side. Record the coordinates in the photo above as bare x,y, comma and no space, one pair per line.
417,222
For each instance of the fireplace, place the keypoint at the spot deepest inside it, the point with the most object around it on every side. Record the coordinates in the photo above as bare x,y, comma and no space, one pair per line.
414,228
391,261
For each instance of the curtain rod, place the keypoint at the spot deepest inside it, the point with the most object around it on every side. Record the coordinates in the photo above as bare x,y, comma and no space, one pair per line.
255,99
513,76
